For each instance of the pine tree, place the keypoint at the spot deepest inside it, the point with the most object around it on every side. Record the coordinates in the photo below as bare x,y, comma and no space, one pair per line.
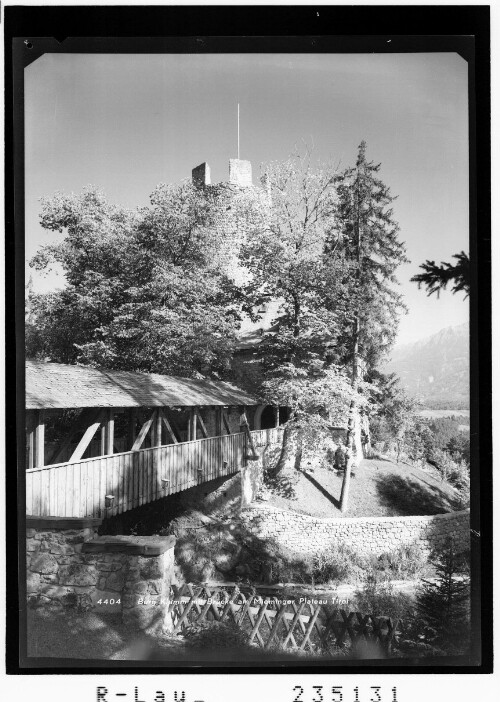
367,232
435,278
443,605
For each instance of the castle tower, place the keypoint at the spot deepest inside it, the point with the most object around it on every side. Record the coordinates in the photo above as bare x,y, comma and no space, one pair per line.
240,172
201,175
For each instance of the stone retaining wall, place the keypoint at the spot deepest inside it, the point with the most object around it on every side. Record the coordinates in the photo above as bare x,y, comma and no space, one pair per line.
302,535
68,566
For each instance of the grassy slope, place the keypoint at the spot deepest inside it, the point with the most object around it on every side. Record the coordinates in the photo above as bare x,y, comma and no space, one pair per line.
379,488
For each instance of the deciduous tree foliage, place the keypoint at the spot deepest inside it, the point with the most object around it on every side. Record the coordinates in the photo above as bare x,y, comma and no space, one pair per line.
400,414
146,289
285,256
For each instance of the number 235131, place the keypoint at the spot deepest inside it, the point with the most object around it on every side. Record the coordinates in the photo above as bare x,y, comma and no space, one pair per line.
323,693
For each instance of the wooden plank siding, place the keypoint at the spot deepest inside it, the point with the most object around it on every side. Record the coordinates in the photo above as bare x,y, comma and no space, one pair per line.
135,478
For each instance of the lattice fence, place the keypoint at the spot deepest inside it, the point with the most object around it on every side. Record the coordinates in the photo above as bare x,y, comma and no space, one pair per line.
281,621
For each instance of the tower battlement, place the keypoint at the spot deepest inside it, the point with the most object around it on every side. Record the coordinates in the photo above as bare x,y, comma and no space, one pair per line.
240,173
201,175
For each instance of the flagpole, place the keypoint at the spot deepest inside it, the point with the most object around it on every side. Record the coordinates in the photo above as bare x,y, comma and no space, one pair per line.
238,131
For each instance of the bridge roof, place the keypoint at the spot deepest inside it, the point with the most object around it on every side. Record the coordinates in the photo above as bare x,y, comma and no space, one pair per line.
59,386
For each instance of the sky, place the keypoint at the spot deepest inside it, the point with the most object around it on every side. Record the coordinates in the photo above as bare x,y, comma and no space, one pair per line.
128,122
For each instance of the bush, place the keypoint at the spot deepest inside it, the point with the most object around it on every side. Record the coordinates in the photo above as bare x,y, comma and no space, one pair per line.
404,562
324,568
380,599
455,471
331,566
459,474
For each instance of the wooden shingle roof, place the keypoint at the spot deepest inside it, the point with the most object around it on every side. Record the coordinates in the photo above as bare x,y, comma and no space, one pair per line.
59,386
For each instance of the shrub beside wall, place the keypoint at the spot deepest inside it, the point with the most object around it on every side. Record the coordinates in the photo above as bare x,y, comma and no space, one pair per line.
303,535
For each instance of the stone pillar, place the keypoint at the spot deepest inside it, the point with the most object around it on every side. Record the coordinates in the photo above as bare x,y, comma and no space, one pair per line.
148,590
252,472
251,478
139,571
69,567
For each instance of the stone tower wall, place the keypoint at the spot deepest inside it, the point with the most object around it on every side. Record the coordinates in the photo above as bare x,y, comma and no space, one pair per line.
240,172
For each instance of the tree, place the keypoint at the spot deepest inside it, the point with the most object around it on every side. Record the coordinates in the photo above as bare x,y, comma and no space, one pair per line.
327,247
315,402
435,278
286,259
440,624
445,603
369,237
145,290
398,410
459,447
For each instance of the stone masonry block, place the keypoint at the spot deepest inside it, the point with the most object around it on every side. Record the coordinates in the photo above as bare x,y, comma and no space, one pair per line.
33,582
115,581
77,574
54,591
62,549
151,568
44,563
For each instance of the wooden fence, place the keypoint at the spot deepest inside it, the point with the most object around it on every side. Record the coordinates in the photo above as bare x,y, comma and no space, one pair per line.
283,622
134,478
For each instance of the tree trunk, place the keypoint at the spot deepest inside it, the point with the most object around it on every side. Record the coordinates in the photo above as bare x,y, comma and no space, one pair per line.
291,453
350,442
365,429
346,483
351,427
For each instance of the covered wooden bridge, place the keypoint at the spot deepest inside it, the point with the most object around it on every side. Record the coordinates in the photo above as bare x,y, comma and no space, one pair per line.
102,442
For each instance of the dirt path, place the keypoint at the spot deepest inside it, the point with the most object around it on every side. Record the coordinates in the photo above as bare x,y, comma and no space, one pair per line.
90,636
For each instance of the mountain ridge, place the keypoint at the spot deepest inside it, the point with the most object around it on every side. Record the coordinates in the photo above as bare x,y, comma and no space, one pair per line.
435,369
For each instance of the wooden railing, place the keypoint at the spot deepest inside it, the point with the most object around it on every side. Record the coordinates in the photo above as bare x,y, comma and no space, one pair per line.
109,485
129,479
262,437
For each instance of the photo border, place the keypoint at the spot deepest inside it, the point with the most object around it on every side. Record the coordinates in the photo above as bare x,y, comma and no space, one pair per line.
464,29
